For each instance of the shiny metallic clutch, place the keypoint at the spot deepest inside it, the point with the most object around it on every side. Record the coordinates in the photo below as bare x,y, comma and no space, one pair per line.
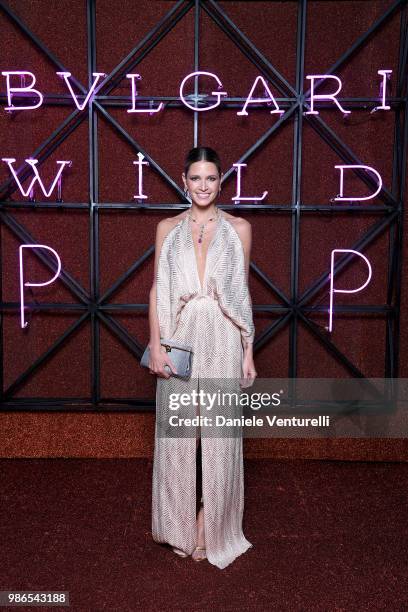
180,354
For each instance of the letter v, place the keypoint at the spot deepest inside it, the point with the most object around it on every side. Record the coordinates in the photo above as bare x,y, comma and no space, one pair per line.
66,76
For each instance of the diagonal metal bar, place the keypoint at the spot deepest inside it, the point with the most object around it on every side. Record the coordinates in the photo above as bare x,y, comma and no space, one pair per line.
262,140
332,348
360,42
38,43
44,357
122,334
268,282
135,145
25,171
271,330
48,146
124,277
244,43
162,27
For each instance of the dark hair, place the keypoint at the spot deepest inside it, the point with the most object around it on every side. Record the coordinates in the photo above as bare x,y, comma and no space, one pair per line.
202,154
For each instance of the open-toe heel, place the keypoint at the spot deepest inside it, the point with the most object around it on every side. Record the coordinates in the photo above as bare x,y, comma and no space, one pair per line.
179,552
201,553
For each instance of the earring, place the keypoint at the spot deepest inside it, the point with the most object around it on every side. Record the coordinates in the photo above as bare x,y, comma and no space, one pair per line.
187,194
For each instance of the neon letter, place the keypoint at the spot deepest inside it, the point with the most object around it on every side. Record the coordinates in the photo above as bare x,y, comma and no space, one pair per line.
239,197
386,74
133,78
217,94
341,198
140,163
32,163
332,290
91,92
271,98
11,90
28,284
332,96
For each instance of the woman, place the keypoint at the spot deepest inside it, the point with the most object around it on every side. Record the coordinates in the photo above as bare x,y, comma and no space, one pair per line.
200,298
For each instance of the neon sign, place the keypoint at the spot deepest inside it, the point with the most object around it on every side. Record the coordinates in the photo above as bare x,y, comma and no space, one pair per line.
194,103
239,197
28,283
21,89
268,100
349,198
140,196
37,178
217,94
331,96
333,290
91,92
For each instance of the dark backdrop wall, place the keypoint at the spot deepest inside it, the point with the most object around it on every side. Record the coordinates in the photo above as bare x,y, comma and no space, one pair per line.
104,32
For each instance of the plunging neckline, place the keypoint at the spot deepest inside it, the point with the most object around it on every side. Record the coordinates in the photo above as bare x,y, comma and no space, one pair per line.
189,227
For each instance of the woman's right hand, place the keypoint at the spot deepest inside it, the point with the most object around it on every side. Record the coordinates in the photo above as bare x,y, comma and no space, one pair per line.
158,360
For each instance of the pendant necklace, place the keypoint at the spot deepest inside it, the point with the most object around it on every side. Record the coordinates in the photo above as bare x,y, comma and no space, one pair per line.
203,225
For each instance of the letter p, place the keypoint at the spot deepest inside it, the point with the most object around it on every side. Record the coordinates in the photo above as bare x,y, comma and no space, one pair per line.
27,283
333,290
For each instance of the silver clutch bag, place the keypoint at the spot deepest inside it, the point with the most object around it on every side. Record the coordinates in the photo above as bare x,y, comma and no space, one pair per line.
180,354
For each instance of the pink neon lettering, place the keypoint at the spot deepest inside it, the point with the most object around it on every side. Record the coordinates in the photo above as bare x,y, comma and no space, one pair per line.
91,92
139,164
27,283
332,290
251,100
341,198
22,88
133,78
332,96
217,94
239,197
386,74
33,162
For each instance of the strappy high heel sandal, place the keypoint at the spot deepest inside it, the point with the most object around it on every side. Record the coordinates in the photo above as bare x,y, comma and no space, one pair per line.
199,553
179,552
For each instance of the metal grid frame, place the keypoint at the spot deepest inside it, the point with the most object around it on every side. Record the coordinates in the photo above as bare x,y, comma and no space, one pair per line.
294,308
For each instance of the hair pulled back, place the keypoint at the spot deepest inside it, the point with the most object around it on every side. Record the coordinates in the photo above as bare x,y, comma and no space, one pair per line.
202,154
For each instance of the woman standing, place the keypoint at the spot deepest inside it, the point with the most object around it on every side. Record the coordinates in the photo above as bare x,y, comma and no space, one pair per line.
200,298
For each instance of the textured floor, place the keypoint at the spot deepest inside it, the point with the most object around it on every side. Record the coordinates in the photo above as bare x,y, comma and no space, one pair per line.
327,535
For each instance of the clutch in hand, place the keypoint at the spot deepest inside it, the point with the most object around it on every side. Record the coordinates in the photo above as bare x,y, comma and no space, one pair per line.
180,354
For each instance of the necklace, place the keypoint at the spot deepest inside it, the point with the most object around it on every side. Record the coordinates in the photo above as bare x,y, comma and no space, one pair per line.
203,225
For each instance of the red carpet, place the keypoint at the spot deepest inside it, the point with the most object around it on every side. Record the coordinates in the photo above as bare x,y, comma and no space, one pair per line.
327,536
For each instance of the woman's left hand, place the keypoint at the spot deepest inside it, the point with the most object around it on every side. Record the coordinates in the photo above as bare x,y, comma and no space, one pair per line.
248,370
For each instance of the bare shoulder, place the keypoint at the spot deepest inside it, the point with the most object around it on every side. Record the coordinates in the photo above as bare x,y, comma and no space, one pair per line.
241,226
166,225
